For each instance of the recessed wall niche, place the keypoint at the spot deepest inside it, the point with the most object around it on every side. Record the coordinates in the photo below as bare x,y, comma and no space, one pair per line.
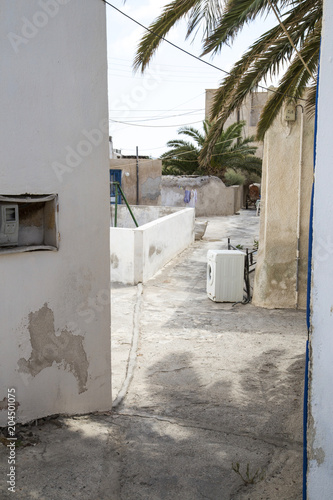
28,223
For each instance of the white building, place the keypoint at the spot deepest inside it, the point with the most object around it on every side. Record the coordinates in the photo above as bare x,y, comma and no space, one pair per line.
54,196
320,429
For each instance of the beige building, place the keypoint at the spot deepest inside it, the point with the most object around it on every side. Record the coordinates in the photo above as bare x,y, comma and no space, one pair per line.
147,178
249,112
285,207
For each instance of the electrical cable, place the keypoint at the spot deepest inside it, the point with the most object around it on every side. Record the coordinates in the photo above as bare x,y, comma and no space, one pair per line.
156,126
192,82
161,117
189,53
148,110
180,154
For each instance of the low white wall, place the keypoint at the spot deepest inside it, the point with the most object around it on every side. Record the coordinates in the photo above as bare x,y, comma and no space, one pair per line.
122,255
142,213
138,253
164,239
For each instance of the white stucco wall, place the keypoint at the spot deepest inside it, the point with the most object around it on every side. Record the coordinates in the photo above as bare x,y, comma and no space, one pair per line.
123,259
137,254
54,306
320,431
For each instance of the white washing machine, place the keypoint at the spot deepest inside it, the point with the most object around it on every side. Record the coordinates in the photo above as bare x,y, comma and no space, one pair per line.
225,275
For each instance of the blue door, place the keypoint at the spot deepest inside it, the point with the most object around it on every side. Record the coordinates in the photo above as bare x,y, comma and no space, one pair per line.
115,176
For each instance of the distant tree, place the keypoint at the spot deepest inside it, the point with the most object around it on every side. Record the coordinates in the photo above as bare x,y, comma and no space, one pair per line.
231,151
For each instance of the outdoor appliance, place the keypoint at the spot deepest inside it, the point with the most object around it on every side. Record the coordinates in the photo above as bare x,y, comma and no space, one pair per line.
225,275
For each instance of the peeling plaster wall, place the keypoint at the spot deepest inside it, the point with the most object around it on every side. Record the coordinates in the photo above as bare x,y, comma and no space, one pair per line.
54,306
275,277
137,254
150,175
213,197
320,429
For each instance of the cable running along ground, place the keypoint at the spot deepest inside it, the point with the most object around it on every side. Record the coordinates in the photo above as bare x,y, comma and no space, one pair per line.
189,53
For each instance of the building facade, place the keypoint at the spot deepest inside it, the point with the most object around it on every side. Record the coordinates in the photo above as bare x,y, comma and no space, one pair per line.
54,299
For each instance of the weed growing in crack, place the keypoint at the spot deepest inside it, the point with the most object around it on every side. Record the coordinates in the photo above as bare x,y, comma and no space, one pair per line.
258,476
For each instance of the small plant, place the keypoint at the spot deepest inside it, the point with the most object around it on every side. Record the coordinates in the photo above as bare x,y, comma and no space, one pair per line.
234,178
258,476
240,247
255,244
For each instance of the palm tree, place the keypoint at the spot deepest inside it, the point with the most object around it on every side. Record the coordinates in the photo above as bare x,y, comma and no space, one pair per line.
231,151
296,41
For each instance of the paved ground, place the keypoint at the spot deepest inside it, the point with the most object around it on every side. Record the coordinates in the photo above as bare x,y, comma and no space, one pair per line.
201,390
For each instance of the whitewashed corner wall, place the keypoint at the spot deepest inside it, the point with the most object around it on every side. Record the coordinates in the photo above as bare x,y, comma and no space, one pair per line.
138,253
320,429
54,306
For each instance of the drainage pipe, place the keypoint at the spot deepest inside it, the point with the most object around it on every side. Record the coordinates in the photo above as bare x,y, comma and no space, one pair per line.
298,225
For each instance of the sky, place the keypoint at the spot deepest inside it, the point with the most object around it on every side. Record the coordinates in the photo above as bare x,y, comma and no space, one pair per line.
147,110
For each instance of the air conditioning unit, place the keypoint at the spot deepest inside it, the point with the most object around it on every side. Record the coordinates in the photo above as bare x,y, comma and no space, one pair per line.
225,275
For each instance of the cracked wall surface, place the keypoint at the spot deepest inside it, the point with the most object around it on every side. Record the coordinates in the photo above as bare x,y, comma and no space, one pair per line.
63,349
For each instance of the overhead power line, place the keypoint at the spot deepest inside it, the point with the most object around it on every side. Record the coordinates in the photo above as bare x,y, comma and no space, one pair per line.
162,117
175,156
189,53
156,126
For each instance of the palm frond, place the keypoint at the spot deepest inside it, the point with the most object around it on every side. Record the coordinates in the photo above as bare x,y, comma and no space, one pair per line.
172,13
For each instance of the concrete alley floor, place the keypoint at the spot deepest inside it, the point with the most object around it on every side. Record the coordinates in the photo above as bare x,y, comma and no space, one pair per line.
198,388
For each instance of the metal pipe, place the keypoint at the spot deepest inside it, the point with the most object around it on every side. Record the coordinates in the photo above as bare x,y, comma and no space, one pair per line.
129,208
137,175
298,224
116,204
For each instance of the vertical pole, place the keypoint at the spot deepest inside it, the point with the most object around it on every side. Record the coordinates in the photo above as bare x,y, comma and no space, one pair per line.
116,204
137,175
298,224
248,288
129,208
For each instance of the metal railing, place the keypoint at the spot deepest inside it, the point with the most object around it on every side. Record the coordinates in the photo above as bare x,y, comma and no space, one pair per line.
249,267
118,186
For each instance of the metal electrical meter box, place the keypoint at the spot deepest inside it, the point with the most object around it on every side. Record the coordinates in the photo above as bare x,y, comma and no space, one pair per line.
290,113
9,224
